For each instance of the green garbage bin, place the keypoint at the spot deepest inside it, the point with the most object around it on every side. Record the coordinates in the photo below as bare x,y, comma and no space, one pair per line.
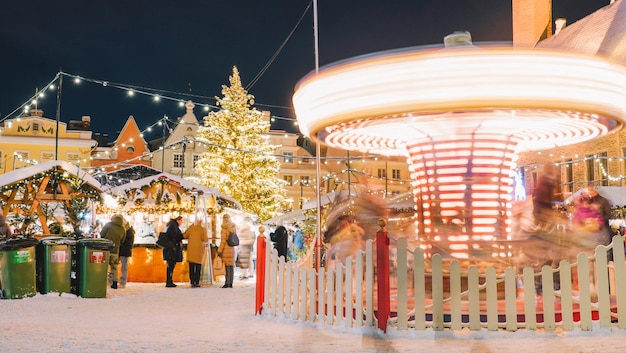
54,264
17,268
93,267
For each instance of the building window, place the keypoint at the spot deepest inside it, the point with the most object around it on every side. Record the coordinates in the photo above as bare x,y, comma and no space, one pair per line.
1,154
177,161
288,157
604,168
305,180
382,173
589,164
395,173
20,159
196,158
35,127
47,156
288,179
569,176
73,157
130,149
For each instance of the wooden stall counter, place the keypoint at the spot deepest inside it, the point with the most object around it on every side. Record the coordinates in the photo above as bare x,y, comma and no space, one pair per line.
147,265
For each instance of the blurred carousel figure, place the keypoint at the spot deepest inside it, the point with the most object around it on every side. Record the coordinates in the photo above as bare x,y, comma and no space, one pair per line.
543,197
244,255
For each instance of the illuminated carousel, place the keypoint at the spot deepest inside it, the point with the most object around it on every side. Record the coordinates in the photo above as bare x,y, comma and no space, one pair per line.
461,115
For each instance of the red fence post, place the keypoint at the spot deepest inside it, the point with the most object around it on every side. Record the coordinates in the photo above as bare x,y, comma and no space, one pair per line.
260,271
382,272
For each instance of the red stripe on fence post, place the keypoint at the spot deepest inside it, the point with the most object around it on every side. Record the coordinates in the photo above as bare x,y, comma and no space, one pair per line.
260,273
382,272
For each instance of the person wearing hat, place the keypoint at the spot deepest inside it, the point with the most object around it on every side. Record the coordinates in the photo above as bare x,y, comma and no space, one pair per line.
174,254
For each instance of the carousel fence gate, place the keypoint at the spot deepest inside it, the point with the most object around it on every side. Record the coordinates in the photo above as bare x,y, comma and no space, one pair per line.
592,292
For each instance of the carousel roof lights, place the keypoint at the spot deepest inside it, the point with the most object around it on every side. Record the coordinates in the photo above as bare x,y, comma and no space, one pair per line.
494,103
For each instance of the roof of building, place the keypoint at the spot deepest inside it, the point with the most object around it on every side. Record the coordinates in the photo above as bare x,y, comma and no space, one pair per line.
601,33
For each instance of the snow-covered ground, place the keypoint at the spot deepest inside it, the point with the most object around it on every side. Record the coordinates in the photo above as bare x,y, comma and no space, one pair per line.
147,317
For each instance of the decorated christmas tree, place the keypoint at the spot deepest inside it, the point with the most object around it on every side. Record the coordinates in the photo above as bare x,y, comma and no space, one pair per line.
239,161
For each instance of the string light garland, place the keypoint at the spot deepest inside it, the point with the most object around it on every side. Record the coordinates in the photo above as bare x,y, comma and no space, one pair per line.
131,90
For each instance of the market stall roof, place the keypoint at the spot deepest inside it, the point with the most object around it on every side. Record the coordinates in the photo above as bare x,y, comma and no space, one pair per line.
125,175
18,175
137,184
26,190
287,218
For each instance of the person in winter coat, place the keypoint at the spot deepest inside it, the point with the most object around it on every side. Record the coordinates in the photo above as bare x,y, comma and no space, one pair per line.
280,237
198,237
126,251
174,254
246,241
5,230
115,232
227,252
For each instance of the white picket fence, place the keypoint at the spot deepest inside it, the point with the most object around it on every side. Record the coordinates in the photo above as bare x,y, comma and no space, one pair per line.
591,291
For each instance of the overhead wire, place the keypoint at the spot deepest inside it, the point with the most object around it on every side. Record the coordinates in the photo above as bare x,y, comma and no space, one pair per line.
280,48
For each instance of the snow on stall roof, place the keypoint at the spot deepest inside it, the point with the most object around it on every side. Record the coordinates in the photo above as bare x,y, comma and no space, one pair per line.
137,184
17,175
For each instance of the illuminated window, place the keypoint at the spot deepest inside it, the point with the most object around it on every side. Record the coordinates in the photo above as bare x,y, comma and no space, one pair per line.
305,180
604,168
288,179
569,176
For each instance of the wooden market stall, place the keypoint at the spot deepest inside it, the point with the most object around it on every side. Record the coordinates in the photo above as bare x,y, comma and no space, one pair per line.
148,204
27,196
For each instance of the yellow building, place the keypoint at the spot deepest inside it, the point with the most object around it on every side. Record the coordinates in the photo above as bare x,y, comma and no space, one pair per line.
340,170
32,138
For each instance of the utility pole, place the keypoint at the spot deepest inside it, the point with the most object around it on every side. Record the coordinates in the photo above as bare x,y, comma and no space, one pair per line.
58,117
163,121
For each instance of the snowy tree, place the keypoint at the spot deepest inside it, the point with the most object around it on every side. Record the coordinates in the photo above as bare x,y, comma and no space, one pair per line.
239,161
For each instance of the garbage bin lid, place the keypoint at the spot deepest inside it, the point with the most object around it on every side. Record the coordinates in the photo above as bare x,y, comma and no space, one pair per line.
96,243
17,243
55,240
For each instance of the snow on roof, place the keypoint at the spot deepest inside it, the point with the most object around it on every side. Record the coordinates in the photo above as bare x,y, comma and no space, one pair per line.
601,33
27,172
137,184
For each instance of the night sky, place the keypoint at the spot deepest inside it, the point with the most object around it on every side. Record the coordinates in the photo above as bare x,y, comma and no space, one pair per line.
186,49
